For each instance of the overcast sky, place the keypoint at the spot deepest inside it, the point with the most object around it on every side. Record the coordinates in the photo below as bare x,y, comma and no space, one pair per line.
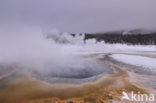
80,15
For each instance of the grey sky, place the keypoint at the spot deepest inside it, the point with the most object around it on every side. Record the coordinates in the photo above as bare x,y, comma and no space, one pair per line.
80,15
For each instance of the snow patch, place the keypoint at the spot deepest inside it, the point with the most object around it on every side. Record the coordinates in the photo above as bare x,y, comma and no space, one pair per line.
145,62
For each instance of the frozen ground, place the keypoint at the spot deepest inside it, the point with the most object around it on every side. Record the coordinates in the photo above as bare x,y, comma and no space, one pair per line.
145,62
101,47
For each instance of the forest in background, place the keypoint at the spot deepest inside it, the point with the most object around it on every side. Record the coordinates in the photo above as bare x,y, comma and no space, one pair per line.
130,39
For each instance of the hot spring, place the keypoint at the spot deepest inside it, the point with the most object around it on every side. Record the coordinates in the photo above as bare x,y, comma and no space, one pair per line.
88,69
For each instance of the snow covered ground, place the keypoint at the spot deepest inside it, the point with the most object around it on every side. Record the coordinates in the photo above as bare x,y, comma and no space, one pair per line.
145,62
101,47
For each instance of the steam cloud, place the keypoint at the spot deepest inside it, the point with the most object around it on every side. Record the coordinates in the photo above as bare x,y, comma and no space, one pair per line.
29,48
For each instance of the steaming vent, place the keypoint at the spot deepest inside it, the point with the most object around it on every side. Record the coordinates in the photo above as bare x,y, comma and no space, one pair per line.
65,38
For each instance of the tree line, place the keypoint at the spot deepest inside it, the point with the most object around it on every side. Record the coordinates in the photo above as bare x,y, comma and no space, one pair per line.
134,39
